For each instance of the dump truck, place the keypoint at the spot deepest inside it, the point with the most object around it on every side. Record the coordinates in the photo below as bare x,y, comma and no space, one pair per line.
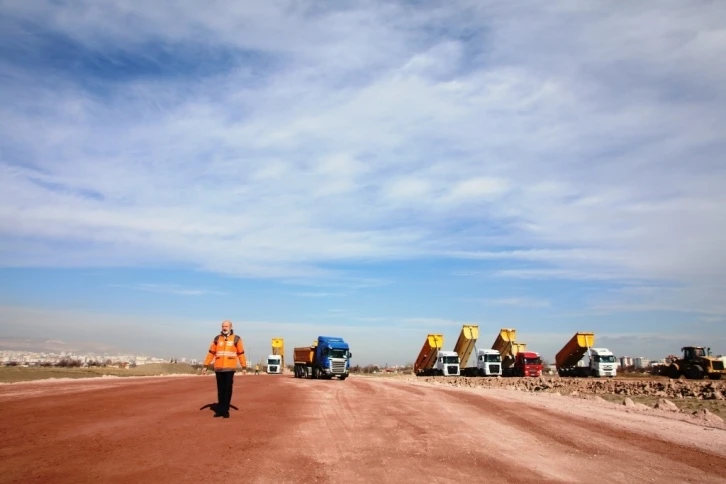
433,361
276,361
602,362
487,362
327,357
508,348
696,363
527,363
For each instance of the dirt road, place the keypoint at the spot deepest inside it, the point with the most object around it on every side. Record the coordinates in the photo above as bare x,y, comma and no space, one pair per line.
358,430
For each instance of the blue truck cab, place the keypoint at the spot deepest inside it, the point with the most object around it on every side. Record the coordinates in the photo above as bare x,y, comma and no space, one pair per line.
327,357
332,356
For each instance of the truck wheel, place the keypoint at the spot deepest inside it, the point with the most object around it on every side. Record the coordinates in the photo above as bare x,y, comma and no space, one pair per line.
714,376
695,372
343,377
674,372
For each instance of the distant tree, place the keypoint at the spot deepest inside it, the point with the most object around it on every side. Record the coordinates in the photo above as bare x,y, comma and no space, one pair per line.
68,363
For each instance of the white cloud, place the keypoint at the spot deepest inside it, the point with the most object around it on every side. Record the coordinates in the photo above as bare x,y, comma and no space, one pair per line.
172,289
318,294
480,187
372,133
524,302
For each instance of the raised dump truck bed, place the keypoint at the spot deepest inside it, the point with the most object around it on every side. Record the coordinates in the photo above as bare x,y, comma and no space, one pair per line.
505,341
276,359
508,348
427,356
601,360
466,343
574,350
278,348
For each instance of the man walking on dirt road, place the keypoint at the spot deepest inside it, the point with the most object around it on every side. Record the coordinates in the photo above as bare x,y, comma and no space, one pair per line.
226,350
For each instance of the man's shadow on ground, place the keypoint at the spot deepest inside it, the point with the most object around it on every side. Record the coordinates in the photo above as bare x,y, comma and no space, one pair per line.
213,407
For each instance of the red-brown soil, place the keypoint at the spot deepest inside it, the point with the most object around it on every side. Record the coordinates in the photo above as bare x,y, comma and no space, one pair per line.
358,430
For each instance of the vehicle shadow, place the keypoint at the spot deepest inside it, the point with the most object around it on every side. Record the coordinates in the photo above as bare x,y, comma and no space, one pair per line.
213,407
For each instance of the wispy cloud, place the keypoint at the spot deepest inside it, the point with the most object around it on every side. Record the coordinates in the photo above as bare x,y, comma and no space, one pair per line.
524,302
292,143
319,294
171,289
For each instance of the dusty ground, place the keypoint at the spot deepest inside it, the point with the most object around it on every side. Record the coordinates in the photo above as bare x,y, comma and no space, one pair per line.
358,430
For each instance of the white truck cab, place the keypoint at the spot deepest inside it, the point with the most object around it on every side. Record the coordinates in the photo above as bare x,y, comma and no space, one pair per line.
602,362
274,364
488,363
447,363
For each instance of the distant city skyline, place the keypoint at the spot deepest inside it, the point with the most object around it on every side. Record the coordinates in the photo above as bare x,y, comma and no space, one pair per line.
377,171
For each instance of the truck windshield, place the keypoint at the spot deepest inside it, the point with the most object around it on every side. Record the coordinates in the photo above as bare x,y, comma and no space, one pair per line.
338,353
494,358
272,362
532,361
451,359
604,359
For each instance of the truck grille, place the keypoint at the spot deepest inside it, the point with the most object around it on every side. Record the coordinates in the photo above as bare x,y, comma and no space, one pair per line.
273,369
494,368
718,365
452,370
338,367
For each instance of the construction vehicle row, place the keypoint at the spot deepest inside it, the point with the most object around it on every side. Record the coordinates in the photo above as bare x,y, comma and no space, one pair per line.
505,358
329,357
326,358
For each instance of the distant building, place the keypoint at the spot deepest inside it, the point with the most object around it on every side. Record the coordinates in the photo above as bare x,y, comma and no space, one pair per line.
626,361
641,362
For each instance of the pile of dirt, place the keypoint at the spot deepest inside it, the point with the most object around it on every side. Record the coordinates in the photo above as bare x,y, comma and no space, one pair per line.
702,390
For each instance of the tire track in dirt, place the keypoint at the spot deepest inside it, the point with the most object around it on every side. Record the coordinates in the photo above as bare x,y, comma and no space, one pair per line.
666,461
405,439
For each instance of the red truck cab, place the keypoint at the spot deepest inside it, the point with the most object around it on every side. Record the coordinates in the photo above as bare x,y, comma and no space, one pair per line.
527,363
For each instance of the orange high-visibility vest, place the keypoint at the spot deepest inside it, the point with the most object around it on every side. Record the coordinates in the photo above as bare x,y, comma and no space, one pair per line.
226,351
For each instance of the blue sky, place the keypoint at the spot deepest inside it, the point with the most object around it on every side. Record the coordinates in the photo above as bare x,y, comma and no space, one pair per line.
376,171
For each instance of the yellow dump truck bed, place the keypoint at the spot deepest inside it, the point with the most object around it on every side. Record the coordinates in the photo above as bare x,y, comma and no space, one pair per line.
506,345
504,341
574,350
278,348
427,355
465,344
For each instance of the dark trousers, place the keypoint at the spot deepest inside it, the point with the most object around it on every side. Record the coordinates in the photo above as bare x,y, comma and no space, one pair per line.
225,380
